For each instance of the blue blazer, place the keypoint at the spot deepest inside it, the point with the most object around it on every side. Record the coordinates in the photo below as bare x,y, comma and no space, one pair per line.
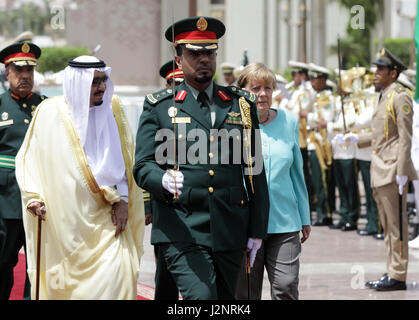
288,197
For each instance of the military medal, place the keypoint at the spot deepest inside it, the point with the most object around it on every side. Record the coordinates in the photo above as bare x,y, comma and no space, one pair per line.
234,118
172,112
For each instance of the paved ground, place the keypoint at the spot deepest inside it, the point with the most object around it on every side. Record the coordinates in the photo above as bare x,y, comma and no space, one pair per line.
334,266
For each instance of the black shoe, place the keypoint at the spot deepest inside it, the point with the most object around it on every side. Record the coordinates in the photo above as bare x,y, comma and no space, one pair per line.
323,222
379,236
366,233
338,225
389,284
373,284
349,227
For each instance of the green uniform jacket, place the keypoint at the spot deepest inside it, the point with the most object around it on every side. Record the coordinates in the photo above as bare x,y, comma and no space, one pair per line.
217,207
15,117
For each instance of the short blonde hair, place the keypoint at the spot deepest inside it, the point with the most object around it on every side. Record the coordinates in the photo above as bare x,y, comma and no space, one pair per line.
256,71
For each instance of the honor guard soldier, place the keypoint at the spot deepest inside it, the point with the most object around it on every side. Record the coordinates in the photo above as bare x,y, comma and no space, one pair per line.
319,146
392,167
16,108
228,73
299,103
207,208
344,168
364,98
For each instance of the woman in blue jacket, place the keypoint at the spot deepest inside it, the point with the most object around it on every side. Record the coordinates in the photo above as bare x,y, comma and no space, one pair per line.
289,206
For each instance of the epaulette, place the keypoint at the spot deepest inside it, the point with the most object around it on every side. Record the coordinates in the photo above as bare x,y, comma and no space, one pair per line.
401,88
244,93
154,98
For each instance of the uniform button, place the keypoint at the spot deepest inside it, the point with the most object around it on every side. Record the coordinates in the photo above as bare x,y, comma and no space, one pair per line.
242,202
180,136
211,172
210,155
373,140
211,189
26,121
211,138
24,105
374,152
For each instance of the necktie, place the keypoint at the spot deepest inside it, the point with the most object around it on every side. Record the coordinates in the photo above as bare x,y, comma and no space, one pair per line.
203,98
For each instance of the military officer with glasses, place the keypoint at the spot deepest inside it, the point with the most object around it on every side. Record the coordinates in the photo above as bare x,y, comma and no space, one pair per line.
16,108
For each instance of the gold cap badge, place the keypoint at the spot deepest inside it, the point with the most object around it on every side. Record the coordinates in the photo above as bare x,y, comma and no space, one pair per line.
383,52
25,48
202,24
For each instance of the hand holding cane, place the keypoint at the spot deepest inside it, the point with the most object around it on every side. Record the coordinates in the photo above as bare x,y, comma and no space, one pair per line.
38,210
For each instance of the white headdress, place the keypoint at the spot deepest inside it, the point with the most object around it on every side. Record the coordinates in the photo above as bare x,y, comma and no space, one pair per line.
95,126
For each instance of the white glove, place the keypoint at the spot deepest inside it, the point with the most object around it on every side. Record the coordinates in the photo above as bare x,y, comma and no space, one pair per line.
253,246
172,181
401,181
352,137
339,139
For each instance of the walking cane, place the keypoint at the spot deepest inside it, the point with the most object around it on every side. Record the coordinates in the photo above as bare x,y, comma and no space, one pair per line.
248,275
38,257
401,224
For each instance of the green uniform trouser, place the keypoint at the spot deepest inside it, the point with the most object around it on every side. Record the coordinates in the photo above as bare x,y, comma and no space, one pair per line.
165,286
12,238
319,182
346,181
200,273
373,224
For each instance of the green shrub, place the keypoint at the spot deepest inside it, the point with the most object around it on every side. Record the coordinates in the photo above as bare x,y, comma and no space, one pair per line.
56,58
399,47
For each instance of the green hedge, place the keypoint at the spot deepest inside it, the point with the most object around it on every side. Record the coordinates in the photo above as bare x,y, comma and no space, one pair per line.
56,58
400,47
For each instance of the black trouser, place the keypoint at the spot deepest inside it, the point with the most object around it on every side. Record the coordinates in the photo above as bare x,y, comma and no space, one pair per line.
12,238
200,273
165,286
347,183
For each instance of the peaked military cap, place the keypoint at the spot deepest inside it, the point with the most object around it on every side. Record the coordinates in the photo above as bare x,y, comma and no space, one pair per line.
227,68
387,59
170,71
196,33
316,71
297,66
20,54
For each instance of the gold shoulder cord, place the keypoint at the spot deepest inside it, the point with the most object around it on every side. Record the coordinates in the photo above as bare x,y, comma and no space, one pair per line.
389,111
247,125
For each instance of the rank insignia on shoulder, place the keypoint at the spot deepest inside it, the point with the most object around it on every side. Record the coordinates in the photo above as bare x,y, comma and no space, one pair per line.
155,97
151,98
223,95
244,93
181,95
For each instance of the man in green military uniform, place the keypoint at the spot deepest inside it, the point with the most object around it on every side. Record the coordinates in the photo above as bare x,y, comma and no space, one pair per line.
16,108
213,204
